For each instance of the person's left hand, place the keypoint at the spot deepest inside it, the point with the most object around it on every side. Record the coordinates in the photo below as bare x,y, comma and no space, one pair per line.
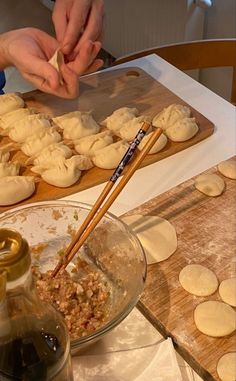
76,21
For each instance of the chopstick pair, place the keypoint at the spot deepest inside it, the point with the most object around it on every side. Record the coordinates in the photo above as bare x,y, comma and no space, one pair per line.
96,214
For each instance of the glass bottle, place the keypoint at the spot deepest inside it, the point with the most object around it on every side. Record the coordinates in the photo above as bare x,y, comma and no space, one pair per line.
34,343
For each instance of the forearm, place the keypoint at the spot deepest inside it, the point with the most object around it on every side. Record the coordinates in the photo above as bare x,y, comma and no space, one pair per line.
4,61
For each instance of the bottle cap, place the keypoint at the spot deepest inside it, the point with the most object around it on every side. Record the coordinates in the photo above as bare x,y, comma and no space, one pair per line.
15,257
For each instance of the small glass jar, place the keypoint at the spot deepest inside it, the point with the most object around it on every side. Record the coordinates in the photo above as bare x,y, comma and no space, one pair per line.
34,342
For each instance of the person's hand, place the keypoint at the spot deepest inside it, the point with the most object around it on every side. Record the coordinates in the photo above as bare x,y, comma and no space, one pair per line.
76,21
29,50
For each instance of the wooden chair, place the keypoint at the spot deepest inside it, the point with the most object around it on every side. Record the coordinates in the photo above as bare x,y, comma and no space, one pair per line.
195,55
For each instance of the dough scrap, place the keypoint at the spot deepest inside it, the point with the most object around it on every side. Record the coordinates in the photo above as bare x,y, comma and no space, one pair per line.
77,124
158,146
10,102
14,189
9,169
226,367
157,236
210,184
57,60
36,142
228,169
198,280
183,129
227,291
120,116
129,130
215,318
110,156
88,145
169,115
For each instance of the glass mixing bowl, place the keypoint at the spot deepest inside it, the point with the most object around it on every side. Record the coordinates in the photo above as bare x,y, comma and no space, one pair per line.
112,250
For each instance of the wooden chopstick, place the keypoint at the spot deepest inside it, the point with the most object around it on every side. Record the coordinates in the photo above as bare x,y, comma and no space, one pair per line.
83,233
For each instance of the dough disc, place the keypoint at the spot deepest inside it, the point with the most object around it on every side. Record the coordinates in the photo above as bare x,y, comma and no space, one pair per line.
226,367
157,236
211,185
227,291
228,169
198,280
215,318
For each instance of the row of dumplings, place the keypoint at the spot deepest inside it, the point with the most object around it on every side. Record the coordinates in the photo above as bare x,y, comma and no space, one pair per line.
47,141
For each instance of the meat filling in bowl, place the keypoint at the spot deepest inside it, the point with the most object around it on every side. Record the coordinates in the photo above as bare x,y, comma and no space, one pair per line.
84,303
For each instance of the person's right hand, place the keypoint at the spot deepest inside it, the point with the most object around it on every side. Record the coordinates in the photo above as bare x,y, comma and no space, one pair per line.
29,50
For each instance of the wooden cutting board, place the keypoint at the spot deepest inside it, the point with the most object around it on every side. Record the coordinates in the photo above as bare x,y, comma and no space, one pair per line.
102,94
206,231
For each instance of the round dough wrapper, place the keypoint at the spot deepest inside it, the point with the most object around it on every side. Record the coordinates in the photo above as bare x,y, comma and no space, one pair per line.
182,130
157,236
227,291
160,143
226,367
228,169
198,280
14,189
215,318
211,185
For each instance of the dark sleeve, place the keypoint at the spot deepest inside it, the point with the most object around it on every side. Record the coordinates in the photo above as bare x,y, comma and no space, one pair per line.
2,81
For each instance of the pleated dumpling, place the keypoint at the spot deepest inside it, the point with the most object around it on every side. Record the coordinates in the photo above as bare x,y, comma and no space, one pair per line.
28,126
49,154
182,130
7,120
120,116
77,124
90,144
65,172
109,157
35,143
9,169
130,129
160,143
14,189
169,115
10,102
5,152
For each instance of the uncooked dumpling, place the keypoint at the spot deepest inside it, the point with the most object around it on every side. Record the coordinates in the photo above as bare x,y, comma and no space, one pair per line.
226,367
9,169
7,120
227,291
56,61
130,129
14,189
228,169
77,124
210,184
109,157
90,144
35,143
64,174
48,155
169,115
215,318
183,129
157,236
28,126
198,280
120,116
10,102
160,143
5,152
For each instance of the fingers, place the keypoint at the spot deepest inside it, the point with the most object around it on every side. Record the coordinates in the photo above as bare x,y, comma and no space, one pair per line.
59,18
76,21
85,57
41,68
